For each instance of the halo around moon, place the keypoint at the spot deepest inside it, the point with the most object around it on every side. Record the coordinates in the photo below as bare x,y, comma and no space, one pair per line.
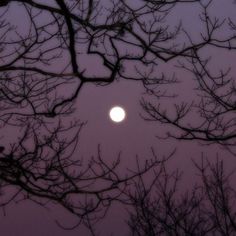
117,114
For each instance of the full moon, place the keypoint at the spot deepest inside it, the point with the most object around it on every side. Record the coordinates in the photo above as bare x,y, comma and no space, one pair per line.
117,114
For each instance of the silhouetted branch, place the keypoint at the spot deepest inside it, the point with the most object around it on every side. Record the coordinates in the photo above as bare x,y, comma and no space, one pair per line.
159,207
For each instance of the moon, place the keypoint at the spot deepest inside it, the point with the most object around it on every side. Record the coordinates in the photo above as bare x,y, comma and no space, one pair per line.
117,114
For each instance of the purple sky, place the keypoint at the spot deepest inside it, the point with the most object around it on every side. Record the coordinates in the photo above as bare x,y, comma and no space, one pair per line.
132,137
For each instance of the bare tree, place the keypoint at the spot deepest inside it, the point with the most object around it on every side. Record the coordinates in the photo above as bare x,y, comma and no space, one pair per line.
118,37
160,207
210,116
42,168
44,67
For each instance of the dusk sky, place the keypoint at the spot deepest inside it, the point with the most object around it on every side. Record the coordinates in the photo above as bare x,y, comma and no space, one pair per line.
132,138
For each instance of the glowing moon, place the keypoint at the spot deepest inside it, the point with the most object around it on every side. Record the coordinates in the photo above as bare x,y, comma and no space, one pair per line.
117,114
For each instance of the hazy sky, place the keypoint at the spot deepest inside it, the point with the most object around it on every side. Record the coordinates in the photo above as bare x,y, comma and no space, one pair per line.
132,137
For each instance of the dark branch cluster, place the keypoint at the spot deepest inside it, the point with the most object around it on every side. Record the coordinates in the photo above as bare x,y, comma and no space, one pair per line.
52,41
160,208
43,167
210,115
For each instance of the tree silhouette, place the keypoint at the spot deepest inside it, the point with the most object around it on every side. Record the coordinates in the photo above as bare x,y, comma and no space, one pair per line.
214,103
161,208
42,71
